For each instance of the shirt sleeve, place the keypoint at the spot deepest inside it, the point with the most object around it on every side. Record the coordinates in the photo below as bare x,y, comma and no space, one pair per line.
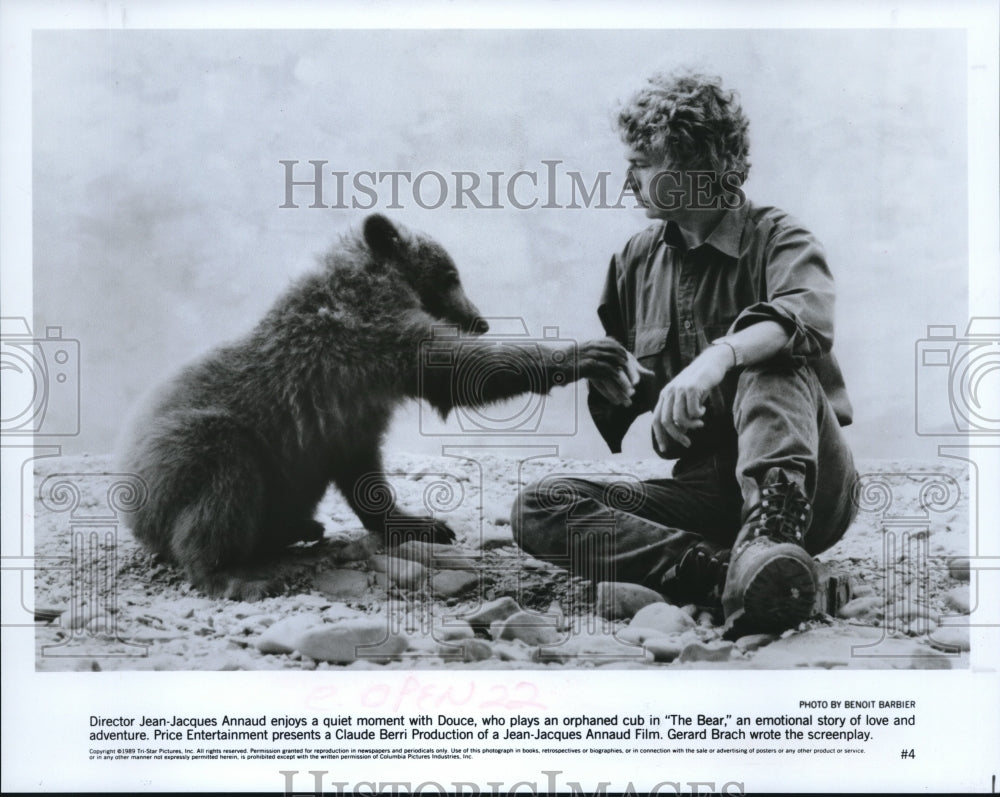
612,420
799,292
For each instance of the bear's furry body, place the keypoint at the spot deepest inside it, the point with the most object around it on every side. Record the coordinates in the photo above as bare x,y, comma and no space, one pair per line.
237,450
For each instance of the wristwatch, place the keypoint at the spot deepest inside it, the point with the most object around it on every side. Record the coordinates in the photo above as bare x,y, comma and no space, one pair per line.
738,359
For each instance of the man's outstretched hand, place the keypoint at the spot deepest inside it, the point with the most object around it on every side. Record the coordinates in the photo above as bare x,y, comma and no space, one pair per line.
621,388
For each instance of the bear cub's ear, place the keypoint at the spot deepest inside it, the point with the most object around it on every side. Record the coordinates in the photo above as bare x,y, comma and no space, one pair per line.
382,237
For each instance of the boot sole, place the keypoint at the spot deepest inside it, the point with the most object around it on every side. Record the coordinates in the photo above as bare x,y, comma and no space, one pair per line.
779,595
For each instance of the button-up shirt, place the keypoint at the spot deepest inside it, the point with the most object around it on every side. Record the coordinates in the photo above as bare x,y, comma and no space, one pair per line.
666,303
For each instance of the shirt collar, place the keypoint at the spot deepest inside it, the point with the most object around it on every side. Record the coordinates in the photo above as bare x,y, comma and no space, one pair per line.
725,237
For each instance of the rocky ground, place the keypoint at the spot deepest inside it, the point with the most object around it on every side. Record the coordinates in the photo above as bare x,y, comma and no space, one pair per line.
103,603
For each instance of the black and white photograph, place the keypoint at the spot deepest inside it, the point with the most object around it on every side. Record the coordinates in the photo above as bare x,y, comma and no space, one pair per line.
513,401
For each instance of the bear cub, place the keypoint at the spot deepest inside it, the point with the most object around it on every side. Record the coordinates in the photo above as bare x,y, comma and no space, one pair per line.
237,450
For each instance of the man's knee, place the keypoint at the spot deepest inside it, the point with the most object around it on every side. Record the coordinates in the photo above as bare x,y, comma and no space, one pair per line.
524,514
540,512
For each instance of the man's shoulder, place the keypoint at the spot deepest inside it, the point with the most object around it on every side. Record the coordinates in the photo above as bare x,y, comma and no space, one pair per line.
769,219
642,242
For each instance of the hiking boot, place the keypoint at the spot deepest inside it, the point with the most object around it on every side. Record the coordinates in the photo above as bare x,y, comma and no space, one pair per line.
698,576
772,584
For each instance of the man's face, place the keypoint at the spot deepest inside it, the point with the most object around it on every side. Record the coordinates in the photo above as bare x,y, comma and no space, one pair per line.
664,189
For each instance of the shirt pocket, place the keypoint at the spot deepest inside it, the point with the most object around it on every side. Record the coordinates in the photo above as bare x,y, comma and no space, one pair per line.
650,343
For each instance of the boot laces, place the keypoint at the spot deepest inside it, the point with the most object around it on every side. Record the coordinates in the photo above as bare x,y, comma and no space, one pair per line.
782,514
701,571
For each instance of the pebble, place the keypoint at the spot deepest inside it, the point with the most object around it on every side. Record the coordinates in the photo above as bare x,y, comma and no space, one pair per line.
531,629
950,638
309,601
637,635
864,607
621,600
80,619
284,635
449,583
665,648
513,650
498,513
496,537
752,642
706,651
454,630
958,568
957,598
705,619
594,647
468,650
435,554
404,572
351,640
487,613
339,611
357,550
907,610
663,617
342,584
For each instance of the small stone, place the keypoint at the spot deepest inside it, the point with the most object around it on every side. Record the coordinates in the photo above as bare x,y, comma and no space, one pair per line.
637,635
494,537
449,583
454,630
404,572
869,606
950,638
702,651
513,650
357,550
309,601
620,600
919,626
468,650
436,555
342,584
338,612
752,642
665,648
863,590
284,635
499,609
351,640
705,619
959,567
597,645
907,610
81,619
957,598
103,625
424,644
663,617
531,629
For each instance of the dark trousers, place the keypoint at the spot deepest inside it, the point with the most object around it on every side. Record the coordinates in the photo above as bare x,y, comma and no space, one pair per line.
635,531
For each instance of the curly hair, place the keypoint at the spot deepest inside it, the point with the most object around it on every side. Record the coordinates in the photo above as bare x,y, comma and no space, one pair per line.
690,120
